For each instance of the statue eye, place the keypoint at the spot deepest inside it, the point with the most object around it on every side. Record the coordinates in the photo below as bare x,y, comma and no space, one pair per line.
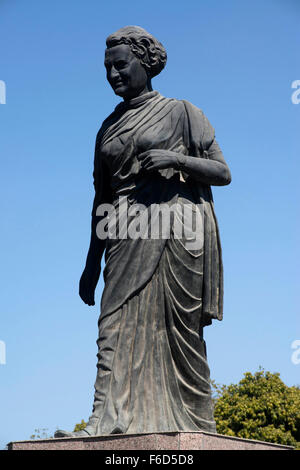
120,64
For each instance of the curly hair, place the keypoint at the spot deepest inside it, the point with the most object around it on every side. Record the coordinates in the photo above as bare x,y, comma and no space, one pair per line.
144,46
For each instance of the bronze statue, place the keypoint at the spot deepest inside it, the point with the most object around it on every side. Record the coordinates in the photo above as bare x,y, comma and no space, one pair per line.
159,294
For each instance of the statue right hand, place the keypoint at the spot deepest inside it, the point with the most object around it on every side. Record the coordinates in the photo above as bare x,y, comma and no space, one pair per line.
88,283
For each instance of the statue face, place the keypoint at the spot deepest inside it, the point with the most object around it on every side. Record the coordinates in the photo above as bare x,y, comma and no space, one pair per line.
125,74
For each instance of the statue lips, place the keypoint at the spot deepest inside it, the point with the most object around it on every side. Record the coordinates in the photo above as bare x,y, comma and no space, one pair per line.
118,84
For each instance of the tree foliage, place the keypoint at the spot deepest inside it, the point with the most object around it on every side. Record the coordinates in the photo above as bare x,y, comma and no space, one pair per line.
80,426
259,407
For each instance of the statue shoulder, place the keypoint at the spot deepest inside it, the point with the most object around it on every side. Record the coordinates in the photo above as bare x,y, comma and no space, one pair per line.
177,106
192,109
104,126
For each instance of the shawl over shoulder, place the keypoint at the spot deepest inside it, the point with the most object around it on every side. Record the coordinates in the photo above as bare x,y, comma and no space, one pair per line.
202,144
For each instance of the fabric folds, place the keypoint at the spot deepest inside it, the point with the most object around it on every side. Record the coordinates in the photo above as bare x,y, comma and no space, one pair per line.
153,373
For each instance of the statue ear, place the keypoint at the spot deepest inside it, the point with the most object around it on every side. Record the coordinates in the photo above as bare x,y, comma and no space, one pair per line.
146,46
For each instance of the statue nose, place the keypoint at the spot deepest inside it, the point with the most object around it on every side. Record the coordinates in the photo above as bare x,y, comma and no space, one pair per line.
114,73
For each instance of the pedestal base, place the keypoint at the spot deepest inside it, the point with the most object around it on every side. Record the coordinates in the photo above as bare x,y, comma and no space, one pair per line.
155,441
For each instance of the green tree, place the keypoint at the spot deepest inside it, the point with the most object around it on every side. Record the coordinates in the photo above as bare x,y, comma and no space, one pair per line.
80,426
259,407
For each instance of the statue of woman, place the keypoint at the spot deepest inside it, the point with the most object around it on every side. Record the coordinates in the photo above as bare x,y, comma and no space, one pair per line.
159,294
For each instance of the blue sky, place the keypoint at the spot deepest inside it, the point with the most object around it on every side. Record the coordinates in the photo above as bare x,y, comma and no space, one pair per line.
236,61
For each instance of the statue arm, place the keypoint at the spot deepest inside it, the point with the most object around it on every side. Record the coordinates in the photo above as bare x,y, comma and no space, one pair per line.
97,246
91,273
205,162
210,170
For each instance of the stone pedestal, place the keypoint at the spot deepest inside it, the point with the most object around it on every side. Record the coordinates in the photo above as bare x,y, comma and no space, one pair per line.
156,441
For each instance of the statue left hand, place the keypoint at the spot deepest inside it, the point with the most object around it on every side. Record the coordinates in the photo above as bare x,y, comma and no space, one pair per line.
158,159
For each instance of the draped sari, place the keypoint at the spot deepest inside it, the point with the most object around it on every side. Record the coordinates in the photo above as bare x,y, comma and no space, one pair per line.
153,374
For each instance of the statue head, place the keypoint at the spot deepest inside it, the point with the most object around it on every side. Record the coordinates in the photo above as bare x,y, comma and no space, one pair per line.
132,58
